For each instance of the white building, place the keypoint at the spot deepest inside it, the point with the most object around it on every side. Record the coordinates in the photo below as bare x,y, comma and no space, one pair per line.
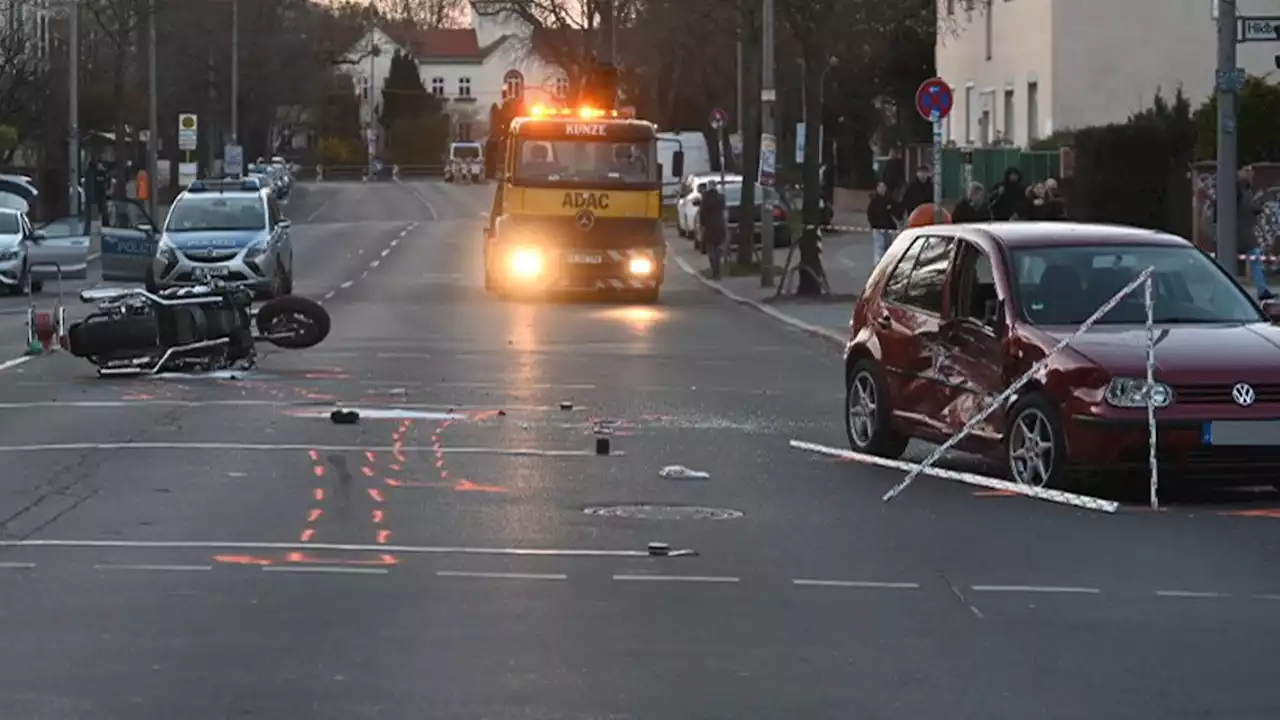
1024,69
471,68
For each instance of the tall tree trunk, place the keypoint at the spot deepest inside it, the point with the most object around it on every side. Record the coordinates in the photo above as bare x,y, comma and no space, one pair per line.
751,81
811,270
117,90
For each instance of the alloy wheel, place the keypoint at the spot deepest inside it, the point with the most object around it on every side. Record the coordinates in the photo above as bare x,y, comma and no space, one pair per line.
862,409
1031,454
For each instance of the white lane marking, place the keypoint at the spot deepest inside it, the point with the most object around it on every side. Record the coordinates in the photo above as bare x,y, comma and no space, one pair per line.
318,210
1266,597
1061,497
54,404
14,362
517,386
156,568
502,575
79,447
329,296
375,263
1035,589
380,549
364,274
1191,594
16,565
347,284
858,584
677,578
395,242
386,252
415,356
325,569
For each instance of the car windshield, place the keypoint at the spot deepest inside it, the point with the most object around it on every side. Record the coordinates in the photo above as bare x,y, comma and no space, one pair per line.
9,224
586,161
1065,285
733,194
217,213
466,152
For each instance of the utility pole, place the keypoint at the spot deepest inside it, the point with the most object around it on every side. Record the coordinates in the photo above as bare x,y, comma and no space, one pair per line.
73,104
768,95
1227,83
742,117
235,72
153,116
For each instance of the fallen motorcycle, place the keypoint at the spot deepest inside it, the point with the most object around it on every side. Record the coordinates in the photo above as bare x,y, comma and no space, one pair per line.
189,329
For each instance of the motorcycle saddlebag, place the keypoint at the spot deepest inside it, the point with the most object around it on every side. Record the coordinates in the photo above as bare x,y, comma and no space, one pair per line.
113,336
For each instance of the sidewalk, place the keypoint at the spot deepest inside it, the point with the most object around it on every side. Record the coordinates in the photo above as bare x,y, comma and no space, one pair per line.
845,257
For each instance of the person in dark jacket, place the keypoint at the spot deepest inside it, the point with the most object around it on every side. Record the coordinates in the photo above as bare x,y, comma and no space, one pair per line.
884,215
712,222
973,208
1009,198
894,173
920,191
1056,207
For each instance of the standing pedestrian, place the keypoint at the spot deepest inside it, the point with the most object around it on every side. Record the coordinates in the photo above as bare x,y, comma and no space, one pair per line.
894,173
713,225
920,191
1249,204
973,208
1055,206
1009,198
884,215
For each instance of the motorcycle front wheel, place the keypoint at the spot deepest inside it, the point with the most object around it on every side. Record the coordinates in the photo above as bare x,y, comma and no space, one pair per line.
293,322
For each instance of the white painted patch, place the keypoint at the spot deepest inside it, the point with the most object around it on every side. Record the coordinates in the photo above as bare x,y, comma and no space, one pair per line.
7,364
1057,496
386,252
16,565
858,584
156,568
329,295
378,414
1035,589
347,284
1190,594
677,578
325,569
502,575
375,263
326,547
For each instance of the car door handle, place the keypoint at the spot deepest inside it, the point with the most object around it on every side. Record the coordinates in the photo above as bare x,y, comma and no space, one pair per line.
884,321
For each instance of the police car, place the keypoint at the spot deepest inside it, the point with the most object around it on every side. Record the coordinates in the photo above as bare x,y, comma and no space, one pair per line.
230,229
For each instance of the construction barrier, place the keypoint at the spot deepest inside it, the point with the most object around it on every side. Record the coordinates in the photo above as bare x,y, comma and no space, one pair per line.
1000,401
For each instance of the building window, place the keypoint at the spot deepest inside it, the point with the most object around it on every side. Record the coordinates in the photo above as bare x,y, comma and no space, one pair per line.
512,85
464,87
951,7
561,86
968,115
989,28
1033,112
437,86
1010,120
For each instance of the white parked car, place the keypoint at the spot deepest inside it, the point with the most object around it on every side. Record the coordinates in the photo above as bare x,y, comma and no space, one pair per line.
691,188
466,163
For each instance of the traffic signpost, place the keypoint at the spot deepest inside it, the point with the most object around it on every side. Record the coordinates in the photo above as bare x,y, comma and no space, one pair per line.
188,141
934,101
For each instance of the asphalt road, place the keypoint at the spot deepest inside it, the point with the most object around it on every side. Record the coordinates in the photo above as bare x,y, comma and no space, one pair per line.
216,548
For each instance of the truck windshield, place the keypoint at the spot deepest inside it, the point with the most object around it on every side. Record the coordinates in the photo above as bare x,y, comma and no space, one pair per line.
586,161
466,152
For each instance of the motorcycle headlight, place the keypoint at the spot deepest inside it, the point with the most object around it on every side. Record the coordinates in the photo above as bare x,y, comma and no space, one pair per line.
10,254
1132,393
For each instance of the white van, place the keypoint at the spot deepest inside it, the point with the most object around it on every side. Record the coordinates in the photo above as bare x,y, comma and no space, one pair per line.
697,159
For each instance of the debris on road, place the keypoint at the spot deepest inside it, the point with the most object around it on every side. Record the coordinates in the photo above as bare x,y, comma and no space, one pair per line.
680,472
566,404
658,549
602,445
344,417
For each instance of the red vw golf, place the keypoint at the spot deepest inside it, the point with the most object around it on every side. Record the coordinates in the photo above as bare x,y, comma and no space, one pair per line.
954,314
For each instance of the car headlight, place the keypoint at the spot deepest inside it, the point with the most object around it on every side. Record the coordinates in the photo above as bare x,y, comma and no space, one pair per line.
525,262
1132,393
640,266
10,255
256,248
166,251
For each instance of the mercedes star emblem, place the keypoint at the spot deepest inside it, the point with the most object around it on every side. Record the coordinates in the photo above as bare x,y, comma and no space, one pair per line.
1243,394
585,220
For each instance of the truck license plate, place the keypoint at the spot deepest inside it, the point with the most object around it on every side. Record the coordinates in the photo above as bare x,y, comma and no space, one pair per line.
582,259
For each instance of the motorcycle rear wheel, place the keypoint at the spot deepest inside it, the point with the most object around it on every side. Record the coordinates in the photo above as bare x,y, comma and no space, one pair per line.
107,337
293,322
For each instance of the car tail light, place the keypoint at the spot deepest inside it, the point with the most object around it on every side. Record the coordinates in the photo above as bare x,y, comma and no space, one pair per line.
779,214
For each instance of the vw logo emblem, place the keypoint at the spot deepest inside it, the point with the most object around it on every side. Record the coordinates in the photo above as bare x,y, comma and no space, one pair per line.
585,220
1243,394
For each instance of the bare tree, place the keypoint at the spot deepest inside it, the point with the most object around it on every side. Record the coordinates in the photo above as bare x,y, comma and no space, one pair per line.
566,32
424,13
24,81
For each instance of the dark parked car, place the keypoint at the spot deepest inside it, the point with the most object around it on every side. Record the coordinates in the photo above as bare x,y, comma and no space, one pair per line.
955,314
765,197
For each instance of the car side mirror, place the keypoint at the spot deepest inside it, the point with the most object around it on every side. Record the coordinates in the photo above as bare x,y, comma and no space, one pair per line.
1272,309
37,236
677,164
284,223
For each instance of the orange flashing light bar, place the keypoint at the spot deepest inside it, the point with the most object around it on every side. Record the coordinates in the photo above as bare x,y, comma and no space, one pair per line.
584,113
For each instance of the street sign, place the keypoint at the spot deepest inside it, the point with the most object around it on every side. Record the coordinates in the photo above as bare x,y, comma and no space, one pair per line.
1229,80
188,172
934,96
735,143
719,118
768,160
233,160
1259,29
188,135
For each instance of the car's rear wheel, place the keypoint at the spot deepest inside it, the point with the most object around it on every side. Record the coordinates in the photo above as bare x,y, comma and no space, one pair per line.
868,417
1035,450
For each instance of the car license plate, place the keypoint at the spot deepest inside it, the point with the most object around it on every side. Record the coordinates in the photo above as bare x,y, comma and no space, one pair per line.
583,259
208,272
1242,433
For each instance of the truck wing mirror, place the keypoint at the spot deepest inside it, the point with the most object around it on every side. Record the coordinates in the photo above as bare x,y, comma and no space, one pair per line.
677,164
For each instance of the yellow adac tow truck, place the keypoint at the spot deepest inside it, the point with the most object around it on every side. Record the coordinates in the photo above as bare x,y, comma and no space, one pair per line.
578,206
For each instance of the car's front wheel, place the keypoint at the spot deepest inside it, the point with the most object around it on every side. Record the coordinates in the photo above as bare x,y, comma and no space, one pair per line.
868,417
1034,446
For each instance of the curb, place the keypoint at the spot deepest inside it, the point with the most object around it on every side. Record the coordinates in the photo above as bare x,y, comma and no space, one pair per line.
776,314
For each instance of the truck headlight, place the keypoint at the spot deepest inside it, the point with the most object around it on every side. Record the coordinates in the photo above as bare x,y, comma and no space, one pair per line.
640,266
1132,393
525,262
